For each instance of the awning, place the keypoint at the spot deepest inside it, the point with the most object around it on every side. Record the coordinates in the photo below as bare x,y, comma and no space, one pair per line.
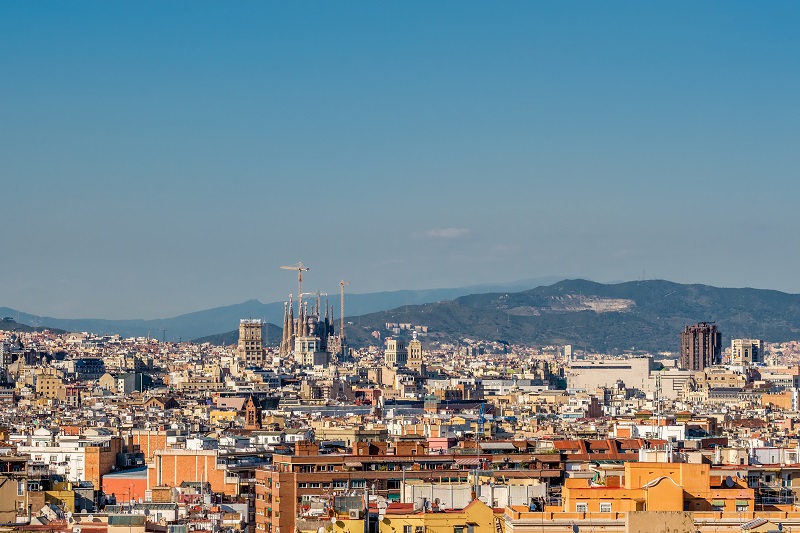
468,461
718,503
742,502
354,464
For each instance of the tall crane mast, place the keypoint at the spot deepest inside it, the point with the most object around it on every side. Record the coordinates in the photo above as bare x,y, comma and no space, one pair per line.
300,268
341,308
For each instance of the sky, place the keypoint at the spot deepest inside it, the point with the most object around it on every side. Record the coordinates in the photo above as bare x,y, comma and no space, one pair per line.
158,158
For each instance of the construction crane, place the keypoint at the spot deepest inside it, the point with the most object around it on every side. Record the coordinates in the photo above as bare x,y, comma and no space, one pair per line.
300,268
319,295
341,309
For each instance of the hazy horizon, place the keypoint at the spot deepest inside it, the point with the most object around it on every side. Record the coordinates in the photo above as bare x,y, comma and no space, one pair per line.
159,159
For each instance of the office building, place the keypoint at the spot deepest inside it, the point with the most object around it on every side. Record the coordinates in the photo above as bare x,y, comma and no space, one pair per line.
701,346
250,350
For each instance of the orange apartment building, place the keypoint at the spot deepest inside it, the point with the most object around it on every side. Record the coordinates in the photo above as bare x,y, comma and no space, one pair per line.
658,487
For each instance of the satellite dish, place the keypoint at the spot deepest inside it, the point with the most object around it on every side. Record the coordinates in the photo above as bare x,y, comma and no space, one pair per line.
575,528
729,482
147,512
90,518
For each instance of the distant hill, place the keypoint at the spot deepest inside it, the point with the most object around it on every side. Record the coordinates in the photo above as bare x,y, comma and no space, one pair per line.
639,315
220,320
9,324
270,335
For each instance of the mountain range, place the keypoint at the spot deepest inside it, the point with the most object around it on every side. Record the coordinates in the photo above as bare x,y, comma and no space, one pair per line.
637,315
220,320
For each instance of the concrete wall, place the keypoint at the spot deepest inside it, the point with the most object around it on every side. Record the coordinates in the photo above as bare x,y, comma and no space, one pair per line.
659,522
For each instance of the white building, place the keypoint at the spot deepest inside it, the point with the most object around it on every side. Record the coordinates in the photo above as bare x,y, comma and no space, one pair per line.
634,372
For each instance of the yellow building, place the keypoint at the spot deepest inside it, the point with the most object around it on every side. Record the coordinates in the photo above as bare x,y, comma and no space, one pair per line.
217,416
658,487
49,384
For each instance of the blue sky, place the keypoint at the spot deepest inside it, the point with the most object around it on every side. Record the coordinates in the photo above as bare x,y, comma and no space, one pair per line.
159,158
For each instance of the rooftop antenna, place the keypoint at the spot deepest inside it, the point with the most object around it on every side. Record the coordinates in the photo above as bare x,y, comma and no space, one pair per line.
163,335
300,268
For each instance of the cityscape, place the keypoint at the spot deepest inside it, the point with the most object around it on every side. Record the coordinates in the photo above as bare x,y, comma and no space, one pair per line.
399,267
313,434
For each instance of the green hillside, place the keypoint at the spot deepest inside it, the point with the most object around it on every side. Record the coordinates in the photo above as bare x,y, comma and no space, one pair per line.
639,315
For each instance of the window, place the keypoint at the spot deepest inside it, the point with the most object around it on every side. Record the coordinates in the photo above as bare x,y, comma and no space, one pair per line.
407,529
458,529
741,508
340,484
605,507
358,483
20,488
581,507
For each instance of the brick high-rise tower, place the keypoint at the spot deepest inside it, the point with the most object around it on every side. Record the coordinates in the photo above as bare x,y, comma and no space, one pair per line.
701,346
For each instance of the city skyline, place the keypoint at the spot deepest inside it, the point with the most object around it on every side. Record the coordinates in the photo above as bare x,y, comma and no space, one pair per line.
163,161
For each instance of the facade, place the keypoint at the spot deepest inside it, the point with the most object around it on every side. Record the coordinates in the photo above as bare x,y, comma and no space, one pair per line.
589,375
396,354
747,351
701,346
75,458
13,488
171,468
415,360
250,349
658,487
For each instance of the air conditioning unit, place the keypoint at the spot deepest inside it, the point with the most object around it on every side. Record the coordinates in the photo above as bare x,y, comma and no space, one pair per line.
356,514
